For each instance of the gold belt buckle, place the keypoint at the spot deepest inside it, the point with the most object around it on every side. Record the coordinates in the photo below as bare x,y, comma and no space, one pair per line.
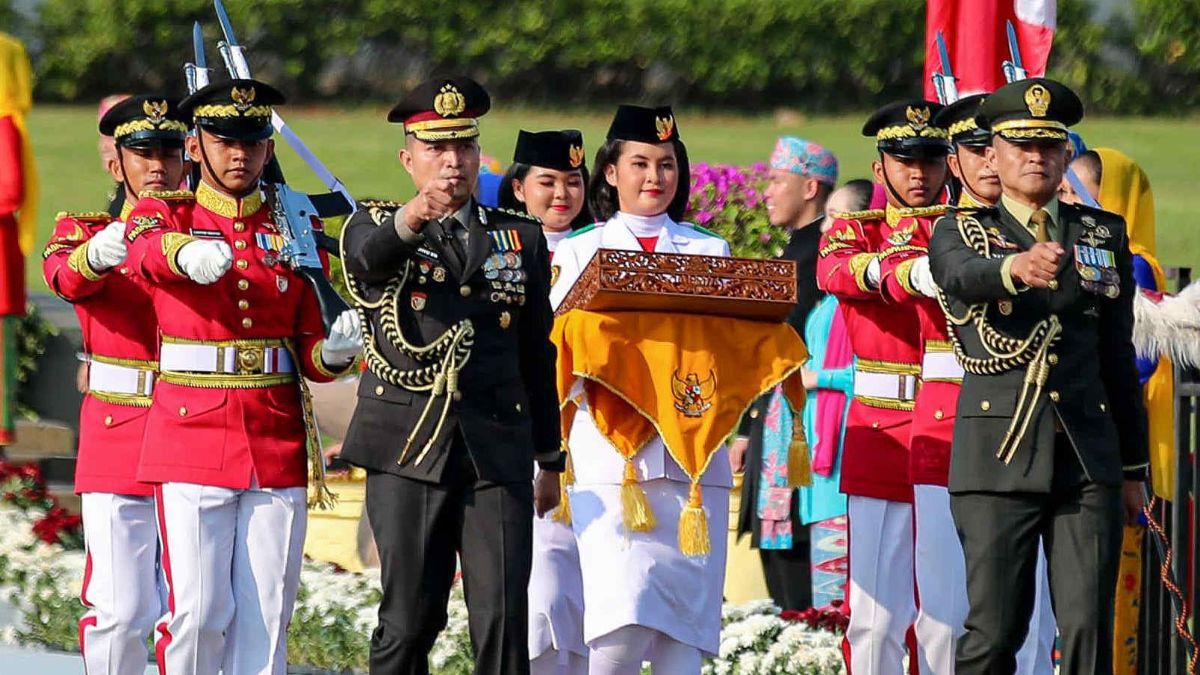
251,360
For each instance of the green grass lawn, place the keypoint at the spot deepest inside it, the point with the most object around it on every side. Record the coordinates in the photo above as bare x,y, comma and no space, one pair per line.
360,148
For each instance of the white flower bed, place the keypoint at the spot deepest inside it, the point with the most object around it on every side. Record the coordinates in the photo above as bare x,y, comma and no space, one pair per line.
336,612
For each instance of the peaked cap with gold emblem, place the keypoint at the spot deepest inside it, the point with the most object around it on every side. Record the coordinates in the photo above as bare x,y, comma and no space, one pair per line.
643,125
442,109
146,120
906,129
958,119
558,150
1037,109
237,109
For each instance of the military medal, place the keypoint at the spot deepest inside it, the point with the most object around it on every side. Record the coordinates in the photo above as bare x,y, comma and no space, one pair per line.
418,301
1005,307
439,274
281,283
269,260
505,319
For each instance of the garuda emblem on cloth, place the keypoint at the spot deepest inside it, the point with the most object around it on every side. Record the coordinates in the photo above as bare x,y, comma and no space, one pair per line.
693,396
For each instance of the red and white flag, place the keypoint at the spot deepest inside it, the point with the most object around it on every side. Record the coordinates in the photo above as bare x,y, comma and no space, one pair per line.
977,40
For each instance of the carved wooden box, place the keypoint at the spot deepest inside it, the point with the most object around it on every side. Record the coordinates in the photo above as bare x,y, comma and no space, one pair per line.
744,288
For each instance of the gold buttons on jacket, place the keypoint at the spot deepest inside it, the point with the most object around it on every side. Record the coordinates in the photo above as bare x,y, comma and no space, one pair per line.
243,264
1054,396
243,284
457,396
985,405
247,322
464,290
379,390
182,411
874,425
243,305
938,414
240,244
108,421
239,226
1053,359
1053,285
518,407
1103,407
754,413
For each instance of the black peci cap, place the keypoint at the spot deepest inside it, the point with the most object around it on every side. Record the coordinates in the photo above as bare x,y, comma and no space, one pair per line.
145,120
1031,110
958,119
644,125
237,109
558,150
442,108
906,129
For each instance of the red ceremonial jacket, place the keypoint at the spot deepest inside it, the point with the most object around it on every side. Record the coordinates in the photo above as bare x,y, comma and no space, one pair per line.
117,320
884,338
937,399
12,192
230,431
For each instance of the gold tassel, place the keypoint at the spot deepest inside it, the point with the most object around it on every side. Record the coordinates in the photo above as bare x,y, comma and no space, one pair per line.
563,513
635,507
799,462
319,494
693,525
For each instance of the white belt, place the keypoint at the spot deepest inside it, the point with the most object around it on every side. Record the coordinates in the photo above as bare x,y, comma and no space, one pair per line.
885,385
225,359
940,366
110,378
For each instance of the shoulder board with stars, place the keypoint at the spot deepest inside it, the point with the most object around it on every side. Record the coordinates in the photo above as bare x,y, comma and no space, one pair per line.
860,215
84,216
702,230
585,228
168,195
510,212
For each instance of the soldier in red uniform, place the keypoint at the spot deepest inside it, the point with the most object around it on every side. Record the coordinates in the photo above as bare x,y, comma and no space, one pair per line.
228,432
84,265
884,336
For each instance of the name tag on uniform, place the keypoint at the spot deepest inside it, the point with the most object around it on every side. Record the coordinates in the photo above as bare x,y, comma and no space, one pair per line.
203,233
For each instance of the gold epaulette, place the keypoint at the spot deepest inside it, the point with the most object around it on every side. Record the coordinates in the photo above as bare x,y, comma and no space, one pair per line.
919,211
509,212
860,215
84,216
167,195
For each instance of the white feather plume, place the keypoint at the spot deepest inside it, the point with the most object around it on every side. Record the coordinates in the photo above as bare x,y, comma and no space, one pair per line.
1169,328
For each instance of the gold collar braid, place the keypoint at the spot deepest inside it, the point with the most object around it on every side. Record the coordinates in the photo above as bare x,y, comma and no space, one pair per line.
229,207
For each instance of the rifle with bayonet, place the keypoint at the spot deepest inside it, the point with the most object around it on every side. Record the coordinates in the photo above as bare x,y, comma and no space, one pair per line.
945,84
196,73
295,213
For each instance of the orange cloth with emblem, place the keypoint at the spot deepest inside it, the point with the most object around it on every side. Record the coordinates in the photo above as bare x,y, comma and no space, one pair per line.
686,378
227,436
116,317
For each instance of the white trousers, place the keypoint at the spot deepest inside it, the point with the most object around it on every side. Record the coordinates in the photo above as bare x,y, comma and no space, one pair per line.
232,564
120,583
623,651
881,595
941,574
555,662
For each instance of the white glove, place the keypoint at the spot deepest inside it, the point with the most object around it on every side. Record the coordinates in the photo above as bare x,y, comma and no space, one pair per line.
204,261
921,278
344,341
106,249
873,272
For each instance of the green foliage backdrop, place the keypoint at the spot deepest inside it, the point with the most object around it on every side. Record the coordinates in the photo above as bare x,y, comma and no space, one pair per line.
816,55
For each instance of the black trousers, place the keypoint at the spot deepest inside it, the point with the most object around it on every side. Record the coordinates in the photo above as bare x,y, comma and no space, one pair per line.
1079,523
419,528
788,572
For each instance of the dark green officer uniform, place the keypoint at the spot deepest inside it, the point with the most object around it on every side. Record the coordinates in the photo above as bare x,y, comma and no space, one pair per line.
1050,417
457,403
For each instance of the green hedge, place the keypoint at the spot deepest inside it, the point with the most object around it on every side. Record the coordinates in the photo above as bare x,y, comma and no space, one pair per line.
747,54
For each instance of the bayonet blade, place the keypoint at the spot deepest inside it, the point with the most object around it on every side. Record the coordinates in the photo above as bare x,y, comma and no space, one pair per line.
198,46
1014,48
226,26
944,56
